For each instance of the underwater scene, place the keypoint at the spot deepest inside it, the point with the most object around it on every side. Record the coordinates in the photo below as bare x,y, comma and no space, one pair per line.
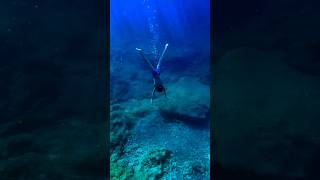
159,89
266,86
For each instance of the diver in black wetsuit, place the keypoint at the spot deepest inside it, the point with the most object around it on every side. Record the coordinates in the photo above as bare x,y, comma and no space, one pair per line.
158,86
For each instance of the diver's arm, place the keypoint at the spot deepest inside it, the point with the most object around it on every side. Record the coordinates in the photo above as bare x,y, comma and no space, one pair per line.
143,57
161,57
154,90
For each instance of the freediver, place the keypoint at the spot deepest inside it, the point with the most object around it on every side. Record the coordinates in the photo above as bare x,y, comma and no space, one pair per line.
157,83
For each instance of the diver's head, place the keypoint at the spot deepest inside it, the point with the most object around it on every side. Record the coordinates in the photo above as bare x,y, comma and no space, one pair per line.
159,88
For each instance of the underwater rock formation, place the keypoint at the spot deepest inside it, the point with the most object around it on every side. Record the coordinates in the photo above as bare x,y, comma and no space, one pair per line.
153,164
147,142
120,171
188,101
187,97
196,171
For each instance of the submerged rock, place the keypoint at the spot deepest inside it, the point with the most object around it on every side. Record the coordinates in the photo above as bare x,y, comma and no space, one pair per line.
120,125
153,165
120,171
188,101
196,170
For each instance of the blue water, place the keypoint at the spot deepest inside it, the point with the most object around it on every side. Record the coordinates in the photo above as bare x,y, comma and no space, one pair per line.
179,123
154,21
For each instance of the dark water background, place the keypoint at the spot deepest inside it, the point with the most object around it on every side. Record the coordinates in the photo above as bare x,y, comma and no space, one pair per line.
266,88
52,106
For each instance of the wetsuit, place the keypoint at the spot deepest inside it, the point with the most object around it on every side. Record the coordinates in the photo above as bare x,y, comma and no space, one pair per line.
157,83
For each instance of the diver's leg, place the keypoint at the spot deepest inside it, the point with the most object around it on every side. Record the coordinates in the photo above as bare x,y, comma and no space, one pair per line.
143,57
161,57
154,90
165,93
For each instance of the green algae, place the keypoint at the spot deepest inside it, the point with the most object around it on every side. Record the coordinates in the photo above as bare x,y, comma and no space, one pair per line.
119,171
153,165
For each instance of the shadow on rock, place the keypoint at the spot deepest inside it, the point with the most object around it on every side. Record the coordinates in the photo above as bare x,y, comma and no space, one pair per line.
192,121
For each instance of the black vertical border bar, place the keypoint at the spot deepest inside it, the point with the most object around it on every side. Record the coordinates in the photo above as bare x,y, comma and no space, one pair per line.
103,85
106,64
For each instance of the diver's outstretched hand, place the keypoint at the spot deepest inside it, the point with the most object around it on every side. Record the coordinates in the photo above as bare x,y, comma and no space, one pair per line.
139,50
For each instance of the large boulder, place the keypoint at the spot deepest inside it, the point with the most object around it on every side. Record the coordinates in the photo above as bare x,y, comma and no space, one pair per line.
188,100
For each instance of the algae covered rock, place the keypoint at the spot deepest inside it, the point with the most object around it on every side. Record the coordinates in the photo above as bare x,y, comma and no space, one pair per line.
120,171
188,100
123,118
196,170
120,125
119,131
153,165
138,108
